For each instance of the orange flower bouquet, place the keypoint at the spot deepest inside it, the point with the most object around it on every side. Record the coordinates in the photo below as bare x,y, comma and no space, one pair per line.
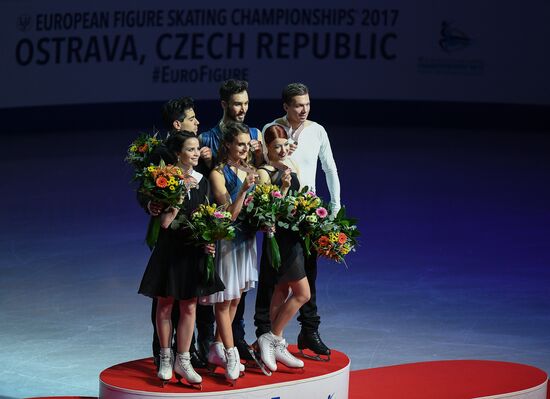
165,184
336,238
332,237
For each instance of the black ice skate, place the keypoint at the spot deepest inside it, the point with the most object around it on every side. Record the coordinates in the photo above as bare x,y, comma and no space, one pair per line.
312,341
242,347
196,359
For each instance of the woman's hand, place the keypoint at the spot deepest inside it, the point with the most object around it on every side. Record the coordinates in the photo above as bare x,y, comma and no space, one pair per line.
268,229
286,178
248,181
210,249
155,208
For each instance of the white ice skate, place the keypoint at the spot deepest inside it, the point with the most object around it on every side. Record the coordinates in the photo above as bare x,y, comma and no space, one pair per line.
185,371
166,363
284,356
267,343
217,358
232,370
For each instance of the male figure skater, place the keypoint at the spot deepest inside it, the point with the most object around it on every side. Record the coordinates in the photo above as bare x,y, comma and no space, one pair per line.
309,143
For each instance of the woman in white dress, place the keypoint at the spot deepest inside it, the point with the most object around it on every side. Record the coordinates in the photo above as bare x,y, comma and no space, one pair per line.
236,261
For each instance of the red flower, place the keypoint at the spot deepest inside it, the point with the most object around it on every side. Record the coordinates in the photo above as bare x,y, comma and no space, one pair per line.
143,148
323,241
161,182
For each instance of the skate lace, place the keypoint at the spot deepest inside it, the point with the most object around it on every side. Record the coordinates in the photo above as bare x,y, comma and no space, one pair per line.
282,348
165,360
272,348
185,366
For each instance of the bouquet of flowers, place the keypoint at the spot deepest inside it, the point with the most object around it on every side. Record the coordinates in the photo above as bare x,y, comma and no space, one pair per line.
139,150
262,207
305,212
208,224
335,238
332,237
165,184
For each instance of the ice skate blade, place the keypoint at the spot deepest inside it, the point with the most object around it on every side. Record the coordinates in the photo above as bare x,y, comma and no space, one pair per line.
315,357
256,365
256,359
188,384
231,382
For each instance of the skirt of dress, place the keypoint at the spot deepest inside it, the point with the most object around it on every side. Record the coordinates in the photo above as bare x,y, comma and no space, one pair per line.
178,272
292,258
236,264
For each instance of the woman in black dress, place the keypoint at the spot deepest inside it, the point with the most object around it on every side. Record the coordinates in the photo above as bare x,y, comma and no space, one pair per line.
176,267
289,284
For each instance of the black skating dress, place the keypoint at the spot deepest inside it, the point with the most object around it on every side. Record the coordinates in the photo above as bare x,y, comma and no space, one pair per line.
290,244
177,265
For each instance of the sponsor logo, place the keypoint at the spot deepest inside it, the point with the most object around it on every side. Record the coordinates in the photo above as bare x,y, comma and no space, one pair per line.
452,41
452,38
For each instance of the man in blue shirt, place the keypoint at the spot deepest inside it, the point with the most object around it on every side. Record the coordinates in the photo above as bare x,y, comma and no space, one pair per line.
234,102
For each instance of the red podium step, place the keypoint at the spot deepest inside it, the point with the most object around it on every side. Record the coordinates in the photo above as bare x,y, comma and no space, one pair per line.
137,380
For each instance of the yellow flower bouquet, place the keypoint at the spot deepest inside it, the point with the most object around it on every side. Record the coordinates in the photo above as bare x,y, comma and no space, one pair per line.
162,183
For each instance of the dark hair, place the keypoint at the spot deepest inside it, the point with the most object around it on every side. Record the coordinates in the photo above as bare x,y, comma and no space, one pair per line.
175,142
274,132
232,86
229,132
292,90
174,110
162,152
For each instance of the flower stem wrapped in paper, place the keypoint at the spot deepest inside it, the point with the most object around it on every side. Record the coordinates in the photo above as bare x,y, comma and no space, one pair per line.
139,150
262,208
208,224
164,184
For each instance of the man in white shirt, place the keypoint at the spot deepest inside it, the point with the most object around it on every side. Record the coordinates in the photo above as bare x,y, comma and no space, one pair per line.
309,143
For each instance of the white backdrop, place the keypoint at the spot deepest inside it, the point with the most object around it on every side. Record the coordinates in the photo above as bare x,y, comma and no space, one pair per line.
61,52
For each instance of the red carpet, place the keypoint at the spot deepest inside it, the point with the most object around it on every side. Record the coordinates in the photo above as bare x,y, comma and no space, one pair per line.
140,375
453,379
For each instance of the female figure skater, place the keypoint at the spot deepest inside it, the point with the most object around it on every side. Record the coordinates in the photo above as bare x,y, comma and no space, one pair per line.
236,262
177,265
287,288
